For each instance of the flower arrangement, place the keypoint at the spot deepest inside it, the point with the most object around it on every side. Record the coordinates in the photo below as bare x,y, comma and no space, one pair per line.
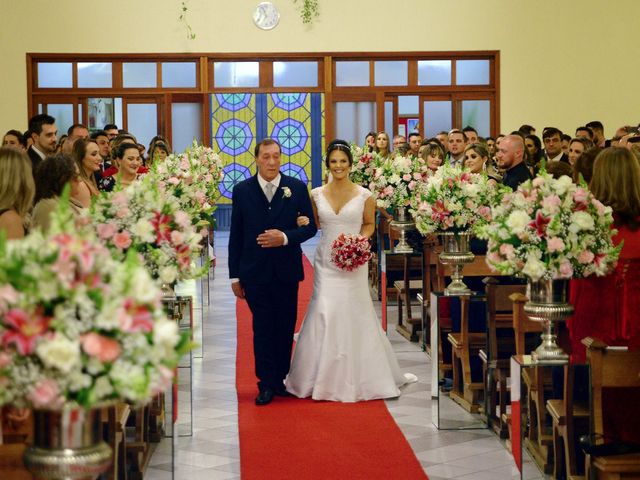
453,199
192,177
78,327
395,180
551,228
364,165
349,251
146,218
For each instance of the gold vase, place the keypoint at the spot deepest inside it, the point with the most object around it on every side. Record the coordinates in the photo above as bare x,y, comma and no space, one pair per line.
67,445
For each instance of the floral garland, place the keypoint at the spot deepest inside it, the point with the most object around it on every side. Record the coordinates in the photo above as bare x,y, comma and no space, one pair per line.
78,327
551,228
395,180
453,199
146,218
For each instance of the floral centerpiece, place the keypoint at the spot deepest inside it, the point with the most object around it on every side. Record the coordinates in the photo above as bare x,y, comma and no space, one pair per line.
79,328
550,228
364,165
147,219
453,199
395,180
192,177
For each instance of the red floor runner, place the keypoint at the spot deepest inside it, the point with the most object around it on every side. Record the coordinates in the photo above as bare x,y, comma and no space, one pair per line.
304,439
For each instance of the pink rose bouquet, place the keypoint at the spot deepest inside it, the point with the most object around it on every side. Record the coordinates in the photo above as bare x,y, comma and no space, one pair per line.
78,327
550,228
395,180
349,251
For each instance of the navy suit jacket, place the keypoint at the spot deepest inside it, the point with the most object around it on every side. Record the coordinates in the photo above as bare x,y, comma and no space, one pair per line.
251,215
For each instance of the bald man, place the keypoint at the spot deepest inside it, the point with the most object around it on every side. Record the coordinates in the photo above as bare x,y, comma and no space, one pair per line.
510,158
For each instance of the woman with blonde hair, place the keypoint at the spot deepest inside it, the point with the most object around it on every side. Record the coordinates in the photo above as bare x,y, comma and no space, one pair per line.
86,154
16,191
383,145
478,160
608,308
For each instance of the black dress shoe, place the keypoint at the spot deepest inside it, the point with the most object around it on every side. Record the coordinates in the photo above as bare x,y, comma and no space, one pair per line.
264,397
281,392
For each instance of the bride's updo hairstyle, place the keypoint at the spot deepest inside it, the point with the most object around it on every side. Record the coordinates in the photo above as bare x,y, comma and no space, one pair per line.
338,145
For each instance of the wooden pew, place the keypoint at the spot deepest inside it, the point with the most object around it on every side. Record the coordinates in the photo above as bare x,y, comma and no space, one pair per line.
11,463
611,369
114,421
500,347
539,441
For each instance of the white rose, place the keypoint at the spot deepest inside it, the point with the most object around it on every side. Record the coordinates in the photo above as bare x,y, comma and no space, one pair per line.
165,332
60,353
470,189
518,220
581,220
534,268
141,286
562,184
168,274
143,230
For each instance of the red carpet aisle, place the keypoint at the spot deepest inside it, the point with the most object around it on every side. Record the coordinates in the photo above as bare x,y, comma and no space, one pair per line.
303,439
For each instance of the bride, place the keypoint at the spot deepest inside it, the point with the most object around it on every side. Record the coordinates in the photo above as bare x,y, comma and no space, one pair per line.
342,353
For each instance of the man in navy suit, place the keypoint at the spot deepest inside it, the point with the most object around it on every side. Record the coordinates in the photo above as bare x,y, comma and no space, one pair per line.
265,262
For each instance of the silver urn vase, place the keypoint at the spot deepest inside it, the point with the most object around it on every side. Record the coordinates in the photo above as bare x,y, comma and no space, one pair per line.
402,222
67,445
456,252
548,304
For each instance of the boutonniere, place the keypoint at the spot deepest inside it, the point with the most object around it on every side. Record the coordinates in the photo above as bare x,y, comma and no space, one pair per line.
286,192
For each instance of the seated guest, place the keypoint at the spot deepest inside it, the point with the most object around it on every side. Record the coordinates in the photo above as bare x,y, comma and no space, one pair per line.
433,155
553,145
608,308
476,160
577,147
584,165
86,154
52,176
510,159
382,147
16,192
534,150
559,169
158,153
125,170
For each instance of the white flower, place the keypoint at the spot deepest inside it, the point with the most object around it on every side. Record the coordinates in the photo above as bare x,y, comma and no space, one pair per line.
517,221
562,184
143,230
165,332
103,387
168,274
59,352
581,220
286,192
142,287
534,268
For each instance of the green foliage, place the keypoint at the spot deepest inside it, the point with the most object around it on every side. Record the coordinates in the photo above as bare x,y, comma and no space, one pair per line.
308,10
184,9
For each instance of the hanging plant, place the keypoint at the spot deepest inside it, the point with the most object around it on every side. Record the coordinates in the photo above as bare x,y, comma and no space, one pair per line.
308,10
183,18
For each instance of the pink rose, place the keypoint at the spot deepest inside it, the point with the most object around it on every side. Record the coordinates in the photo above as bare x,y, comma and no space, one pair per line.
507,250
174,180
123,212
106,230
412,185
538,182
551,203
485,212
555,244
182,219
46,394
566,270
103,348
122,240
417,176
119,199
177,237
5,359
599,206
388,190
406,177
580,195
585,257
184,164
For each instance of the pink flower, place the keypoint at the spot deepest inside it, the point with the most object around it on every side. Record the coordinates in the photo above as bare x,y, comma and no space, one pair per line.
173,180
566,270
160,222
135,318
485,212
417,176
182,219
585,257
538,182
551,203
164,382
580,195
103,348
507,250
412,185
122,212
8,295
493,257
25,329
122,240
119,199
177,237
5,359
46,394
388,190
406,177
106,230
599,206
555,244
184,164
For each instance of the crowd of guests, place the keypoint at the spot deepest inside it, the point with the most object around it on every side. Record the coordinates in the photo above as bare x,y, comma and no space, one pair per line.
35,168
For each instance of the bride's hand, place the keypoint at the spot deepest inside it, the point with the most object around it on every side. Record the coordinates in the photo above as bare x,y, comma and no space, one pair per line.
302,221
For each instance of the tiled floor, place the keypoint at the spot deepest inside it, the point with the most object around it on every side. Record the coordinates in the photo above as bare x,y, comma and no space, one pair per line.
212,452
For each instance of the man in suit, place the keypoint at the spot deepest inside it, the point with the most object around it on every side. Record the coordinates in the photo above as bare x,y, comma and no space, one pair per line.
265,262
45,138
552,138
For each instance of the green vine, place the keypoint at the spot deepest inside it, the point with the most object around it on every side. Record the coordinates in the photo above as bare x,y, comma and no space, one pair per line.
308,11
183,18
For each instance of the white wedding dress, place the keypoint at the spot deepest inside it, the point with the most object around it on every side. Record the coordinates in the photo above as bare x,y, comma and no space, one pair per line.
342,353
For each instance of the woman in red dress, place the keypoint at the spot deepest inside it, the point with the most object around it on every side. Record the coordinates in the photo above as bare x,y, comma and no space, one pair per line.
608,308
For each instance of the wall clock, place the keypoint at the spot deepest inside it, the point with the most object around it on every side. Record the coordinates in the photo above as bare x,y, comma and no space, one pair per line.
266,16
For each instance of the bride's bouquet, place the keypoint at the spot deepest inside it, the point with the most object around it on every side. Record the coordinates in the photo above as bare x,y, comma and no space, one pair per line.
350,251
